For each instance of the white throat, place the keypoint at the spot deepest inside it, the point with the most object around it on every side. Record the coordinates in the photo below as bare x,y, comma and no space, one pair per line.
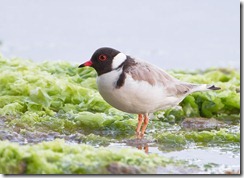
118,60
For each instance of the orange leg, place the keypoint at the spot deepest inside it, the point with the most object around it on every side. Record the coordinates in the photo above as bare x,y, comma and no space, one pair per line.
146,121
140,119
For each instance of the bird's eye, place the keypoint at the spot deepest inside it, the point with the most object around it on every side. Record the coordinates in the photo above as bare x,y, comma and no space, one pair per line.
102,57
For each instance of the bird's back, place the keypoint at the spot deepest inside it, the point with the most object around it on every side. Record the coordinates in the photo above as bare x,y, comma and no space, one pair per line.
143,71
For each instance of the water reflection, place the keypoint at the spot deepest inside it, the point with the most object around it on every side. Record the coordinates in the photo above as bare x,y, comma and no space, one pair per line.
140,144
143,147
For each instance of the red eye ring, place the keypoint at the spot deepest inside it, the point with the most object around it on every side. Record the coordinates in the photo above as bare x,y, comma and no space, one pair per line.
102,57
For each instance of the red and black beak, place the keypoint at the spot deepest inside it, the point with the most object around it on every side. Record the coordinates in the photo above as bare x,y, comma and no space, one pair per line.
88,63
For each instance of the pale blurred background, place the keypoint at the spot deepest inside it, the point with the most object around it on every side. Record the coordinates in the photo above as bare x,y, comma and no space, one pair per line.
173,34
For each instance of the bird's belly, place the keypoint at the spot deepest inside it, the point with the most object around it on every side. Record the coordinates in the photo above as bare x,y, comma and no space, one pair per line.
134,96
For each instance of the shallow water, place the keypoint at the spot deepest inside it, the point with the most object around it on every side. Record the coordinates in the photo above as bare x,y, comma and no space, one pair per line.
215,159
209,159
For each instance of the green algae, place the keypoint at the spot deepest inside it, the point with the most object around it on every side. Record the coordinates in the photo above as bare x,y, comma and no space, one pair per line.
223,136
58,157
60,97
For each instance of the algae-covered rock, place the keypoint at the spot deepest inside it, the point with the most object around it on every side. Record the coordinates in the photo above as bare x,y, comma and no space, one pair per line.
203,137
58,157
116,168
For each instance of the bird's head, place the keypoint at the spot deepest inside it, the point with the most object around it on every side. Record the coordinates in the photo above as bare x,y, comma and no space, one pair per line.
105,60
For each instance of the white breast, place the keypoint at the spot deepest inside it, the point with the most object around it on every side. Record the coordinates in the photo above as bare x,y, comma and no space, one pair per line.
133,96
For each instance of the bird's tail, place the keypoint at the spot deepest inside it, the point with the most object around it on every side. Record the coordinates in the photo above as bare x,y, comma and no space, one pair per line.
205,87
212,87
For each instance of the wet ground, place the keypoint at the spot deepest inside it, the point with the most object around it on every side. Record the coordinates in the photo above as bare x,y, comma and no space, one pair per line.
201,158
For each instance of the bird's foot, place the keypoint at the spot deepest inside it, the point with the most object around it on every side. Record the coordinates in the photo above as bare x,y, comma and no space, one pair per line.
139,135
142,135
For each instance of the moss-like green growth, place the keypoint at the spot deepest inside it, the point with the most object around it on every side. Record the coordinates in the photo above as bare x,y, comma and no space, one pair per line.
202,137
60,97
58,157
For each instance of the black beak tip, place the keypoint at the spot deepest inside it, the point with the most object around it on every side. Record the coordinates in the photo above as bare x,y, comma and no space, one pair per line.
82,65
88,63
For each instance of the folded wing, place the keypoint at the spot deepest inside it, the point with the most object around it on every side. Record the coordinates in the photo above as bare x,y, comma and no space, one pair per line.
142,71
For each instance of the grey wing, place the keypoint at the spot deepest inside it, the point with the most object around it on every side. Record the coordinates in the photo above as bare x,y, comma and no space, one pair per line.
146,72
155,76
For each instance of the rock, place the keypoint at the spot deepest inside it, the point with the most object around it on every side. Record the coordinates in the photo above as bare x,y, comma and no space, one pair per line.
202,124
118,168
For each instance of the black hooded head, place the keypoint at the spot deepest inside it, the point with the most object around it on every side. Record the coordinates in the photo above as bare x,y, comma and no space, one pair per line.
102,60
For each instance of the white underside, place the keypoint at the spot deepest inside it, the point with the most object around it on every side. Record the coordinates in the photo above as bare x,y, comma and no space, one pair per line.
134,96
